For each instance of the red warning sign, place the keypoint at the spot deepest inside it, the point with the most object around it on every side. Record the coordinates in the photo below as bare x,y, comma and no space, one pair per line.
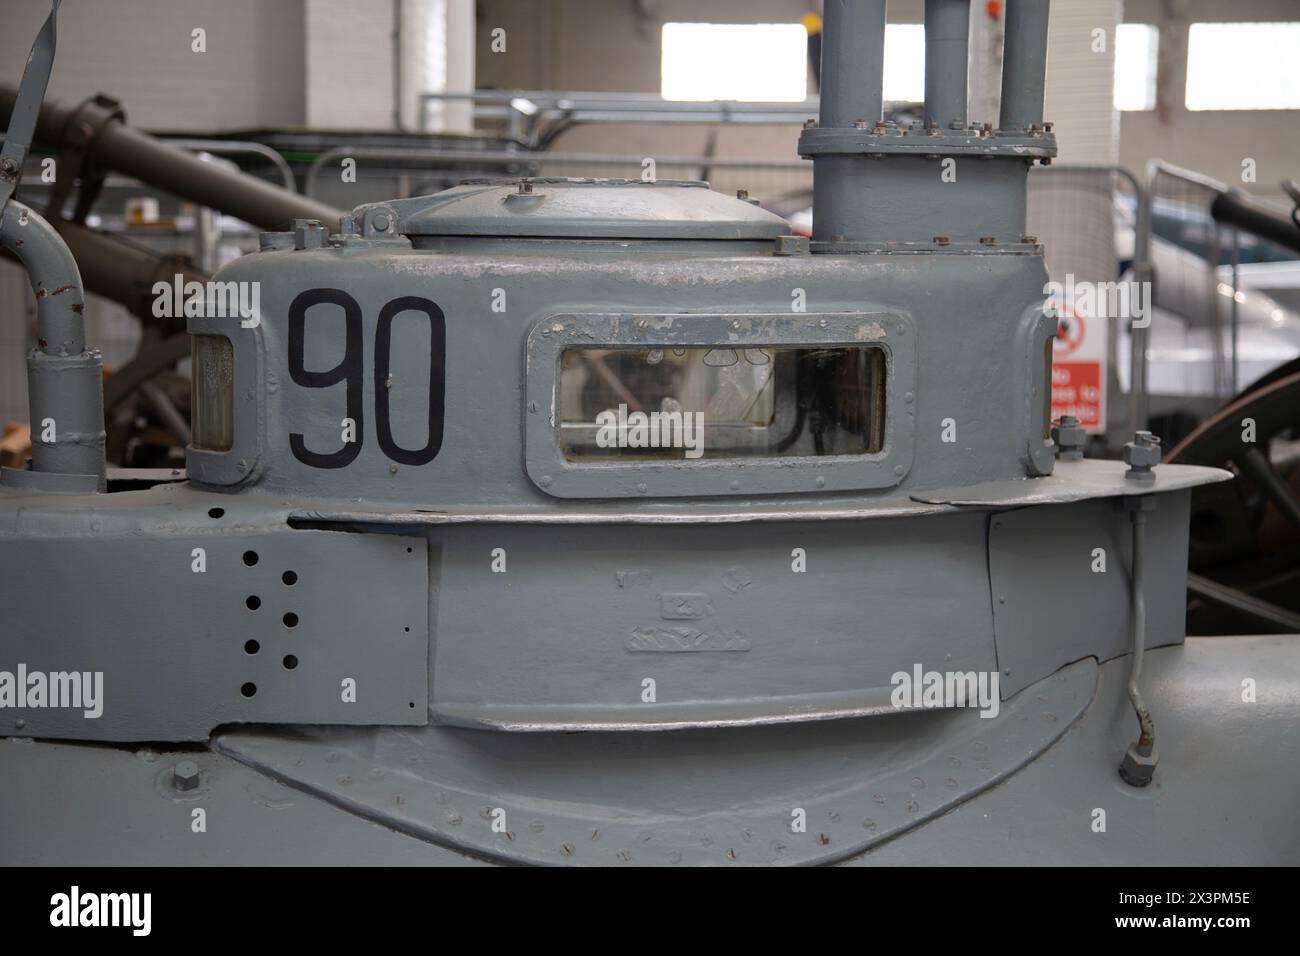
1076,390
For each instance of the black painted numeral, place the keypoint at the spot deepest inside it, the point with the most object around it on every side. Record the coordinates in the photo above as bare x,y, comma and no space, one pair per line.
437,374
351,369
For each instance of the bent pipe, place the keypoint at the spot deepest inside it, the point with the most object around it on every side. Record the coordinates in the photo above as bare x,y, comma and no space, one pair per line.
123,273
65,385
1236,208
114,145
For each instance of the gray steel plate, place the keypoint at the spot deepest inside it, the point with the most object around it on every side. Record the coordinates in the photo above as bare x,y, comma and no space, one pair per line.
685,797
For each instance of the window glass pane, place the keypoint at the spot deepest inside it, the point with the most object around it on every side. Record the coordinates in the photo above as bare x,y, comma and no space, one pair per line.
904,79
213,391
760,62
1243,66
1136,49
701,402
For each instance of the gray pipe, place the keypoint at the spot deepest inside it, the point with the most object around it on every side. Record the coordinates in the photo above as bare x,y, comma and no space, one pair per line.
853,62
114,145
1024,64
65,385
947,58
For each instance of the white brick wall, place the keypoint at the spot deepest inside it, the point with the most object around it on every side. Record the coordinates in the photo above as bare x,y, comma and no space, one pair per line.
139,51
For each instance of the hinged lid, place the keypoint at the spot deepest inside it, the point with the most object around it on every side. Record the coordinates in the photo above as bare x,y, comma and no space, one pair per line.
574,209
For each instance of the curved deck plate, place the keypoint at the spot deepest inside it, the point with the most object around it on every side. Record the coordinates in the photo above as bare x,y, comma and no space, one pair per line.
1073,481
687,797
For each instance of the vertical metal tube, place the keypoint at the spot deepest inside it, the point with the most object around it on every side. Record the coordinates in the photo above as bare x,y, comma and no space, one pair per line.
1143,272
65,385
1024,64
853,62
947,57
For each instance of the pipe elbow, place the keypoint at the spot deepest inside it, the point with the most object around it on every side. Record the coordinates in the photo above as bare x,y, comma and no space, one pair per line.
54,276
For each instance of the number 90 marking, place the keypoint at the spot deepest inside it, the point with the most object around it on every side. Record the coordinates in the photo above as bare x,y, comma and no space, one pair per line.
351,370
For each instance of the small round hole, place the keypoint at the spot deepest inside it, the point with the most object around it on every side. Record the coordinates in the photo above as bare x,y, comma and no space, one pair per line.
216,512
250,558
290,578
412,705
252,602
407,630
291,620
290,662
409,550
249,689
251,647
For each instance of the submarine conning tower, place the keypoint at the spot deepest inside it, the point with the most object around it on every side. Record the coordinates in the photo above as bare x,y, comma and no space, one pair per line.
877,185
423,526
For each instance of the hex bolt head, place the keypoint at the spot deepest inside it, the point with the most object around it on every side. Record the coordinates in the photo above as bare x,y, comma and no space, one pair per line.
1070,438
185,776
1142,454
9,166
1138,769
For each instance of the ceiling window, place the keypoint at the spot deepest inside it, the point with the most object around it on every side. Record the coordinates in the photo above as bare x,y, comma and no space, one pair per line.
1136,48
755,62
1243,66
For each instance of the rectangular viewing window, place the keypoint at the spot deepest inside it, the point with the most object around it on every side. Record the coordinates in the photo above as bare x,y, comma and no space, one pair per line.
1137,47
755,62
702,402
1243,66
213,390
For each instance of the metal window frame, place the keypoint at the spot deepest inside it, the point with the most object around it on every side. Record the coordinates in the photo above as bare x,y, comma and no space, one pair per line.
894,333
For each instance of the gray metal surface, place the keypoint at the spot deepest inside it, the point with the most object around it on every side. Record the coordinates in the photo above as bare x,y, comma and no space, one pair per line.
171,642
113,807
1024,64
119,807
575,208
1224,794
1050,601
27,105
384,518
64,378
714,615
702,797
947,47
971,381
853,59
114,145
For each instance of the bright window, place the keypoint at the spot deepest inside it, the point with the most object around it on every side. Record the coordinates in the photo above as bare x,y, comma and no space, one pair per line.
1243,66
756,62
904,62
1136,46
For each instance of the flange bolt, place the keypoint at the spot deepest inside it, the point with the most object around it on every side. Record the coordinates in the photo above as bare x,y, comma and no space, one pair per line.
1142,454
1069,437
186,775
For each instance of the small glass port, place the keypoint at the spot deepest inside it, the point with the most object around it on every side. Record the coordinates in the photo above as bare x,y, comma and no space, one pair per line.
214,393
